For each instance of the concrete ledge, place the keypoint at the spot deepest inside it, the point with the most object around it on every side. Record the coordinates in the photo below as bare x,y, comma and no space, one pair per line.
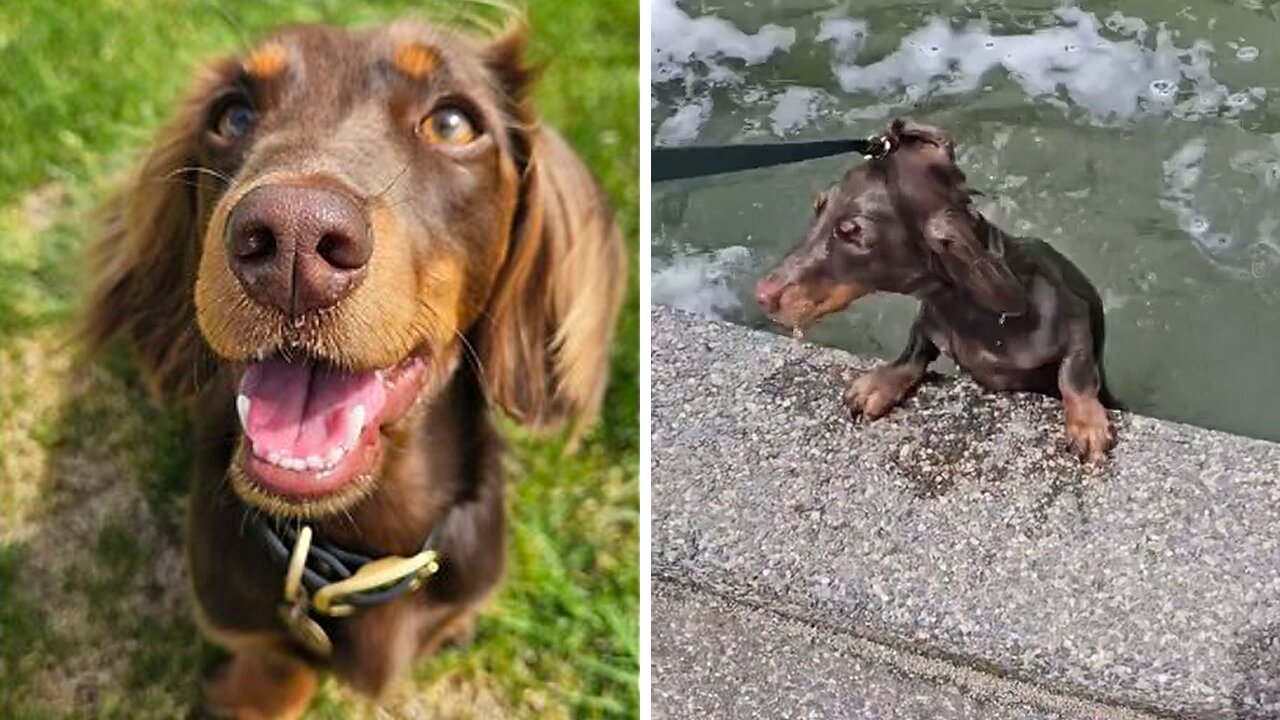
959,528
721,659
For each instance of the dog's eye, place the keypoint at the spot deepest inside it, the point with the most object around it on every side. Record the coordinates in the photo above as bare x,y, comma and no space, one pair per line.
448,125
235,120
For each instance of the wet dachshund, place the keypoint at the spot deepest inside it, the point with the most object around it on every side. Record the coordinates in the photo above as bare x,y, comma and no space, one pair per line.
1013,312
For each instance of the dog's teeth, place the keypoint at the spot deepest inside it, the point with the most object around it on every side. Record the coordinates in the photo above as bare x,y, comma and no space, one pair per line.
355,425
274,457
334,456
295,464
242,409
315,462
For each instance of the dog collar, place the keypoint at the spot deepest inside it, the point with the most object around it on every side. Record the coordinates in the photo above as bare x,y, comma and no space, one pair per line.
323,579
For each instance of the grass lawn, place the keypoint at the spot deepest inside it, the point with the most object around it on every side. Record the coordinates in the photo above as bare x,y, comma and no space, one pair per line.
93,608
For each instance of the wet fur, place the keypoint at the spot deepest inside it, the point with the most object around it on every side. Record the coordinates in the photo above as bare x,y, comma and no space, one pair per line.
1014,313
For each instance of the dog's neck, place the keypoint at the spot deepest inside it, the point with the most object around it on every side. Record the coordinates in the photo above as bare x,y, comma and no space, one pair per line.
948,300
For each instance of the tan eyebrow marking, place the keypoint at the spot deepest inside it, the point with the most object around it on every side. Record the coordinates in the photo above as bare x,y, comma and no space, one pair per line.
416,60
266,62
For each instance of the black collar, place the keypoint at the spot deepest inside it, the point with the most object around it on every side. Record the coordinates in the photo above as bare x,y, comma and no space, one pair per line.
328,563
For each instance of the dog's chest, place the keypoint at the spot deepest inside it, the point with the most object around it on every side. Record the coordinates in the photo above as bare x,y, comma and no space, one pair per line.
992,347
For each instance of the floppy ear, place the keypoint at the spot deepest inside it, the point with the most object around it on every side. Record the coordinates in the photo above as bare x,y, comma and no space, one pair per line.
142,264
546,341
926,149
902,131
951,236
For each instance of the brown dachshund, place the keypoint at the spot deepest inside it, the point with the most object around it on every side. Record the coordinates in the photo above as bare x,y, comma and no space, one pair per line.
1013,312
345,248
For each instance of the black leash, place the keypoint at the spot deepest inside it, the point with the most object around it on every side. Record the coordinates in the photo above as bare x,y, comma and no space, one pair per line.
675,163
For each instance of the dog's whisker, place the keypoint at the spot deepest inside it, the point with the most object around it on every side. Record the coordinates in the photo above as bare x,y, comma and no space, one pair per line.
198,169
351,520
394,180
230,20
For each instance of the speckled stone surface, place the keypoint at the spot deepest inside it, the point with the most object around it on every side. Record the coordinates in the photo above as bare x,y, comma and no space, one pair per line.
959,526
718,659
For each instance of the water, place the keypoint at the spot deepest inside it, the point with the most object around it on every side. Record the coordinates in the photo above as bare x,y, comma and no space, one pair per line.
1142,139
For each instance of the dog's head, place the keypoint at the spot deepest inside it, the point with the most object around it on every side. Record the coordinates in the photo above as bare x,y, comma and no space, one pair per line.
898,223
339,218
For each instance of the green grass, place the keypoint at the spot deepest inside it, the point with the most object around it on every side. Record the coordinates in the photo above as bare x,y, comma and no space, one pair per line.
93,612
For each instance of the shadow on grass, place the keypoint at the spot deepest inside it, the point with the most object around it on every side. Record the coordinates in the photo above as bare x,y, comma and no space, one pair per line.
93,588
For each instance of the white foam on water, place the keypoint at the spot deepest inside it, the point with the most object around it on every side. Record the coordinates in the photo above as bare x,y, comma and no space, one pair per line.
683,125
699,282
796,107
846,35
680,41
1112,79
695,52
1134,27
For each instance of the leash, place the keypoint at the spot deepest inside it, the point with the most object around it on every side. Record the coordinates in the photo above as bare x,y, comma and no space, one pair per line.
326,580
676,163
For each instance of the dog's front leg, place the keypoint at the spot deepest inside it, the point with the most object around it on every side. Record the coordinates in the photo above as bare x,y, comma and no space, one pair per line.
1088,427
877,392
260,684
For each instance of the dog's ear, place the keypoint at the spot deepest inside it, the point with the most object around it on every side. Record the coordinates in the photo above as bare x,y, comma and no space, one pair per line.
142,264
924,150
546,337
903,132
951,236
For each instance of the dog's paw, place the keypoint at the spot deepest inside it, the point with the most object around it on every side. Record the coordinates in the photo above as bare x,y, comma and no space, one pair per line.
873,395
1089,432
256,687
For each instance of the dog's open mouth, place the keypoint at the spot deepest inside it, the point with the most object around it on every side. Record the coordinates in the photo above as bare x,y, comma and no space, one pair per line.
311,429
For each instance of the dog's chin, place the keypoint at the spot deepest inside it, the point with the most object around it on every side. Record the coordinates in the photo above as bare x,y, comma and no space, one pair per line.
803,315
312,436
799,310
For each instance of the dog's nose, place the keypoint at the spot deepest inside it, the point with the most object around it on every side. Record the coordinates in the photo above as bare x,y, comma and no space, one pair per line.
769,294
298,248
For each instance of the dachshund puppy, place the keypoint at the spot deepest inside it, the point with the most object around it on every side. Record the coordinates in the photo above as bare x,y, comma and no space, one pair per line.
1013,312
345,248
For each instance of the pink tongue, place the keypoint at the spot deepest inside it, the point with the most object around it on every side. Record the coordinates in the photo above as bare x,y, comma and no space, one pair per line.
301,409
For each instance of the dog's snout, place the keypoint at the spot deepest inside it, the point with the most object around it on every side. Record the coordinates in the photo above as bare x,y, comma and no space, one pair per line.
298,248
769,294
